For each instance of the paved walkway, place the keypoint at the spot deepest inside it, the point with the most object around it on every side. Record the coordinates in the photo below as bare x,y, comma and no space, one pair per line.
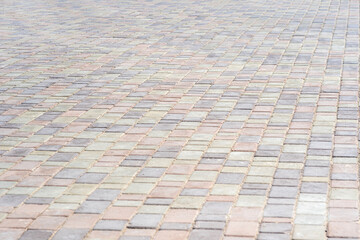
173,120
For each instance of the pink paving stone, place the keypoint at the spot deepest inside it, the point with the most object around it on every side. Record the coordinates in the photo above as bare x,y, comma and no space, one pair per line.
119,213
165,192
246,214
28,211
81,220
47,223
180,215
170,235
15,223
104,235
343,229
242,229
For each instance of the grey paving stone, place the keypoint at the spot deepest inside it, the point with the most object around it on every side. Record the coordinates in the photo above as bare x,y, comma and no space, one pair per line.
230,178
47,131
63,157
283,192
320,145
258,192
36,234
145,221
10,234
344,176
287,173
314,187
316,171
12,200
70,234
39,200
274,236
19,152
159,201
176,226
211,217
91,178
286,182
79,142
205,234
209,225
345,152
52,148
93,207
104,194
70,173
216,208
282,211
110,225
276,228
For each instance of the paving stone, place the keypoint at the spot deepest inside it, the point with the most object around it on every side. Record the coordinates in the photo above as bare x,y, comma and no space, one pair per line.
91,178
194,192
63,157
230,178
216,208
39,200
314,187
176,226
152,172
12,200
70,234
278,211
93,207
134,238
70,173
36,234
209,225
200,234
145,221
104,195
110,225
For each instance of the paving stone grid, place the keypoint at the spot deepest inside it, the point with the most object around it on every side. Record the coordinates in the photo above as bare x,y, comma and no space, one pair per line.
173,120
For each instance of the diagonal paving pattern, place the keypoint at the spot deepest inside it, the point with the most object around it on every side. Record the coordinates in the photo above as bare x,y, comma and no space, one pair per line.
172,120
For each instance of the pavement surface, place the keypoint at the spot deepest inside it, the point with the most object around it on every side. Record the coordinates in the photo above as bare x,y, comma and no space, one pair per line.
173,120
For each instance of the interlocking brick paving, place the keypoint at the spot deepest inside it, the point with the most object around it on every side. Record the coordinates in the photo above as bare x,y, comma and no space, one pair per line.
173,120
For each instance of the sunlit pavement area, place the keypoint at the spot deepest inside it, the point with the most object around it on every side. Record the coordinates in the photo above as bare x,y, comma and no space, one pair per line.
174,120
